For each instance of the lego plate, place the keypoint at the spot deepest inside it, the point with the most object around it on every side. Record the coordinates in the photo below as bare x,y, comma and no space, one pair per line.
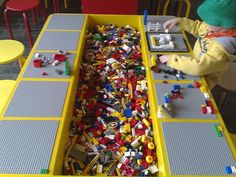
194,149
189,106
37,99
166,42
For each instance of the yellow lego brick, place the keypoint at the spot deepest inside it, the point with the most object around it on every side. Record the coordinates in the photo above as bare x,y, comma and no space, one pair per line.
220,128
127,128
118,172
153,41
146,138
116,114
95,141
145,121
203,89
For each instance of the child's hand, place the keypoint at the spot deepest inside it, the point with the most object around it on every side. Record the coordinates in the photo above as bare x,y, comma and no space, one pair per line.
164,58
171,23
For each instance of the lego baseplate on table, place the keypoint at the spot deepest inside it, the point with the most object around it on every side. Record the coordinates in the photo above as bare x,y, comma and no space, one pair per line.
59,40
37,99
57,71
166,42
161,71
26,146
66,22
187,107
195,149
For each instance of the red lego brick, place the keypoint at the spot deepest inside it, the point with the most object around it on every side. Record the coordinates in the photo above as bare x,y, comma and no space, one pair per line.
60,57
204,109
37,63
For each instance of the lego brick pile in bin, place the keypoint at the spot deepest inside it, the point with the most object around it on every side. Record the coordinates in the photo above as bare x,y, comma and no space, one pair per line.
111,131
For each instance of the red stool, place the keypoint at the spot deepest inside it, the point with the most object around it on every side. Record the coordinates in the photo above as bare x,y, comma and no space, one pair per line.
23,6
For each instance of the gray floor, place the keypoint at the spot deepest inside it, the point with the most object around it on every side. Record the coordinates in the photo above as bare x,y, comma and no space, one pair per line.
11,71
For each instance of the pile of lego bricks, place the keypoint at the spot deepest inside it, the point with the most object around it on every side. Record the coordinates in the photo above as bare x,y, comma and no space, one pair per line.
111,131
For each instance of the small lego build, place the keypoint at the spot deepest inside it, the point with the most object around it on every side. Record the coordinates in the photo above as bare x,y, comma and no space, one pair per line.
208,107
166,110
166,42
152,26
162,41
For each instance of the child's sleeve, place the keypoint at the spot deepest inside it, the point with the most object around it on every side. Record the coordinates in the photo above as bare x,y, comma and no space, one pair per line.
215,60
191,26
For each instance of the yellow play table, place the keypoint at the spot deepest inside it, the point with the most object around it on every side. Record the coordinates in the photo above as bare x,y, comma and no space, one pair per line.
42,104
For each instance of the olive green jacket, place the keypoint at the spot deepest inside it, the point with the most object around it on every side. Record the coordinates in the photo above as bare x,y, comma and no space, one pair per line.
210,56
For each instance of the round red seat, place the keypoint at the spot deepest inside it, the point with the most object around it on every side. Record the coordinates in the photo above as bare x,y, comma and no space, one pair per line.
23,6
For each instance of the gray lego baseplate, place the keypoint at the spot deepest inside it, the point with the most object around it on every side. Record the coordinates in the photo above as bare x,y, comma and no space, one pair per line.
37,99
66,22
189,107
26,146
59,40
194,149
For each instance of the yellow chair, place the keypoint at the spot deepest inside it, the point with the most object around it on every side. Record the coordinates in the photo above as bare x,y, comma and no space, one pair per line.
6,87
65,4
11,50
180,7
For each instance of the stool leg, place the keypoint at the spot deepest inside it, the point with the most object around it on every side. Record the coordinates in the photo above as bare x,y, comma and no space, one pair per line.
34,17
44,13
21,61
8,24
27,26
55,4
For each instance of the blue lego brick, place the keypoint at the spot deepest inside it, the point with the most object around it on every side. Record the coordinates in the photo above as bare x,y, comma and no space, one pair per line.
128,112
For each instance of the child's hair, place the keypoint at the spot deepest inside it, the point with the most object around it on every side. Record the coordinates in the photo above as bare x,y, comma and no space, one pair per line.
220,13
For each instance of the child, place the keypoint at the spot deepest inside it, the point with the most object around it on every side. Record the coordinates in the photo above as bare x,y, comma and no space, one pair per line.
216,41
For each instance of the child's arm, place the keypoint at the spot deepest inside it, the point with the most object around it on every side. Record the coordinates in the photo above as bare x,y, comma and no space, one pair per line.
185,24
191,26
215,60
